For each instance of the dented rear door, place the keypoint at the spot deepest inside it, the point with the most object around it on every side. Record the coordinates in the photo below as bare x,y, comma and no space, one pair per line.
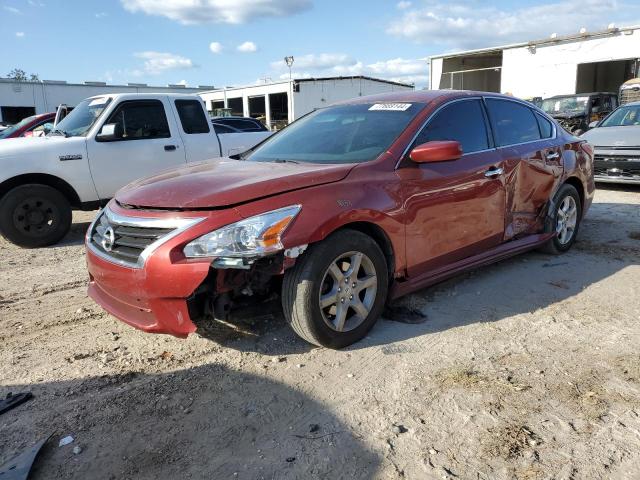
532,159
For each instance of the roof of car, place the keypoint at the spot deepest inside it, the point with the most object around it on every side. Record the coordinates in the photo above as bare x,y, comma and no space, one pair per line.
148,95
420,96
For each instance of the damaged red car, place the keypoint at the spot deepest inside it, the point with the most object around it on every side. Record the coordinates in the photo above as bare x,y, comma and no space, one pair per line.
348,208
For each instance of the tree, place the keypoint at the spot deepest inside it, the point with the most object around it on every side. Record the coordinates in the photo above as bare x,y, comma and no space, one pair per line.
20,75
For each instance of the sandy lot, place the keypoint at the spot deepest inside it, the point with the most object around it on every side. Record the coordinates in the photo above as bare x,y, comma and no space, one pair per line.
527,369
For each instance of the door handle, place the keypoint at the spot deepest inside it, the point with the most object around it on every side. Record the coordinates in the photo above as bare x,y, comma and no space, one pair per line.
169,148
553,156
493,172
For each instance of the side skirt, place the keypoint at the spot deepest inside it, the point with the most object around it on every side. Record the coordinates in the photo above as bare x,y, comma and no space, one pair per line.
496,254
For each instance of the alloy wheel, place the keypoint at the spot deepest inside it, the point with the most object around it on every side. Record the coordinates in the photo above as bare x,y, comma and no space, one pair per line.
348,291
566,219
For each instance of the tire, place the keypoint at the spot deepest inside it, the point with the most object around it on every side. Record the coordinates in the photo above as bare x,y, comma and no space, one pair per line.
313,276
566,195
34,215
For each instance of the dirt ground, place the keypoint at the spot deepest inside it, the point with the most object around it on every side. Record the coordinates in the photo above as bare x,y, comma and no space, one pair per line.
527,369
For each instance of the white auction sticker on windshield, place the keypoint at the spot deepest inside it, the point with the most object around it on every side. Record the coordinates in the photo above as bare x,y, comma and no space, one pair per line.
98,101
391,107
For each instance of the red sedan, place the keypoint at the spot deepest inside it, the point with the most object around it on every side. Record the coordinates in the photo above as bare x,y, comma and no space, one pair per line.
349,207
29,127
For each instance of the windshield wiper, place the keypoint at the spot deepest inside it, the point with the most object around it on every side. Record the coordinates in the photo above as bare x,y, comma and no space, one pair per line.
284,160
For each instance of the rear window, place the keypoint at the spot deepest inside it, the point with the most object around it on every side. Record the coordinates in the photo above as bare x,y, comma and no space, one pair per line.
513,123
192,116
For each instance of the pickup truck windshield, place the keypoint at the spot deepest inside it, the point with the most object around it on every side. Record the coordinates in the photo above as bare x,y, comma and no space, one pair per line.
340,134
565,105
82,117
623,117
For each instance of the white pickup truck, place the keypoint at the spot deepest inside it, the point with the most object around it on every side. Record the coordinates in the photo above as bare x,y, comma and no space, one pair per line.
105,143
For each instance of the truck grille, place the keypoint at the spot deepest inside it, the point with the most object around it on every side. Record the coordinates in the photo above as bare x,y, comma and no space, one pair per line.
124,243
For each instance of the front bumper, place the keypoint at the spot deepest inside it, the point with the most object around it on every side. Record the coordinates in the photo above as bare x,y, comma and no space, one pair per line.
153,297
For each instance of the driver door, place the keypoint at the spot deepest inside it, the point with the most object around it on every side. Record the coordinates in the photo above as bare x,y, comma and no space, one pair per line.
146,146
456,208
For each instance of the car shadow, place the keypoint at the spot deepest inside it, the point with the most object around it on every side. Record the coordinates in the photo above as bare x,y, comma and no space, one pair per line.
204,422
75,236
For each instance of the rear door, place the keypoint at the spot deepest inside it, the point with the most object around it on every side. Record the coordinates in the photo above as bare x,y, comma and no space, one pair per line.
455,208
200,140
149,143
532,158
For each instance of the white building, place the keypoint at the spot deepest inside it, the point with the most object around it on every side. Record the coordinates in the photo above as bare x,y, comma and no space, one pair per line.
22,99
586,62
279,103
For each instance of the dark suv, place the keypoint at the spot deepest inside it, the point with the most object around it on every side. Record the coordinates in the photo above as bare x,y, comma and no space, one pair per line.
576,112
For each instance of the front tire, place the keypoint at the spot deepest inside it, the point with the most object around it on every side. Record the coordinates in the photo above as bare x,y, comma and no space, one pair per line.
34,215
564,220
337,290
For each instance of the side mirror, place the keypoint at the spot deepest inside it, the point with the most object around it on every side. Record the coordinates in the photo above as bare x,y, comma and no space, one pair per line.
436,151
47,127
109,132
593,124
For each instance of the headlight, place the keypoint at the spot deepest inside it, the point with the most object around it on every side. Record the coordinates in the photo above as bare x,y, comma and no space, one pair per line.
255,236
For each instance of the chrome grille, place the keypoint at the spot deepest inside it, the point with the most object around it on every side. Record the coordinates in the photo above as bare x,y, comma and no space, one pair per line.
124,243
617,166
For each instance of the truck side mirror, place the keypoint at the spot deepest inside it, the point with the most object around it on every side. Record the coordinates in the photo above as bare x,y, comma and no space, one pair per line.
47,127
593,124
109,132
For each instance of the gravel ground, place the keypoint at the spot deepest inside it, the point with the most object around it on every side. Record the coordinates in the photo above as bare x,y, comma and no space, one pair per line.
526,369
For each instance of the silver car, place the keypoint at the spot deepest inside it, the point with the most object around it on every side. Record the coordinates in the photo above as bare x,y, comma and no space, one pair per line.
616,140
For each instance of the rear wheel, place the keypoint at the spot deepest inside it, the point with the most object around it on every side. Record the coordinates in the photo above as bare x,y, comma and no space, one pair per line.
564,220
336,291
34,215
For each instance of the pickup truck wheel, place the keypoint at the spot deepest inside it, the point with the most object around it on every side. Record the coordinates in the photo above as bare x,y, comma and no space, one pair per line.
34,215
564,220
337,290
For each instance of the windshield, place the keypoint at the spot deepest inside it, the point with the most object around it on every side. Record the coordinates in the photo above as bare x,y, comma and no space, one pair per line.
565,105
13,128
623,117
341,134
82,117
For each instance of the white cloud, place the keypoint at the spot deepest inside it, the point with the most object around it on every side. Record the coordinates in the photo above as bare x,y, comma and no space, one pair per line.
468,24
403,5
182,82
215,47
217,11
403,70
19,34
247,47
101,14
159,62
13,10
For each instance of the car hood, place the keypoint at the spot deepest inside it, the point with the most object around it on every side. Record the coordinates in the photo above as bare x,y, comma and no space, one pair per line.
225,182
614,136
16,147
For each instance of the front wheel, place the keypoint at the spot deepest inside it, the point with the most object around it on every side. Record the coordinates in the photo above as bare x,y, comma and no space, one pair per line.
564,220
34,215
336,291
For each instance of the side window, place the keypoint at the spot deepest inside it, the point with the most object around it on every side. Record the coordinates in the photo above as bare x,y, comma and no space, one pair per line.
244,125
546,129
462,121
192,116
141,119
513,122
219,128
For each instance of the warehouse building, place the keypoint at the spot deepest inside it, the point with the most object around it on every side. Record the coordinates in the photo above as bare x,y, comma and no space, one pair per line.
280,103
20,99
586,62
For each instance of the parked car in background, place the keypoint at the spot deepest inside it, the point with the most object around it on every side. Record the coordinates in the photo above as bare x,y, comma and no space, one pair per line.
616,141
576,112
353,204
241,124
33,126
104,143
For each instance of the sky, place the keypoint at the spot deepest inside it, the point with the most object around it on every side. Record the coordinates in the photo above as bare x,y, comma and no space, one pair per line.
242,42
